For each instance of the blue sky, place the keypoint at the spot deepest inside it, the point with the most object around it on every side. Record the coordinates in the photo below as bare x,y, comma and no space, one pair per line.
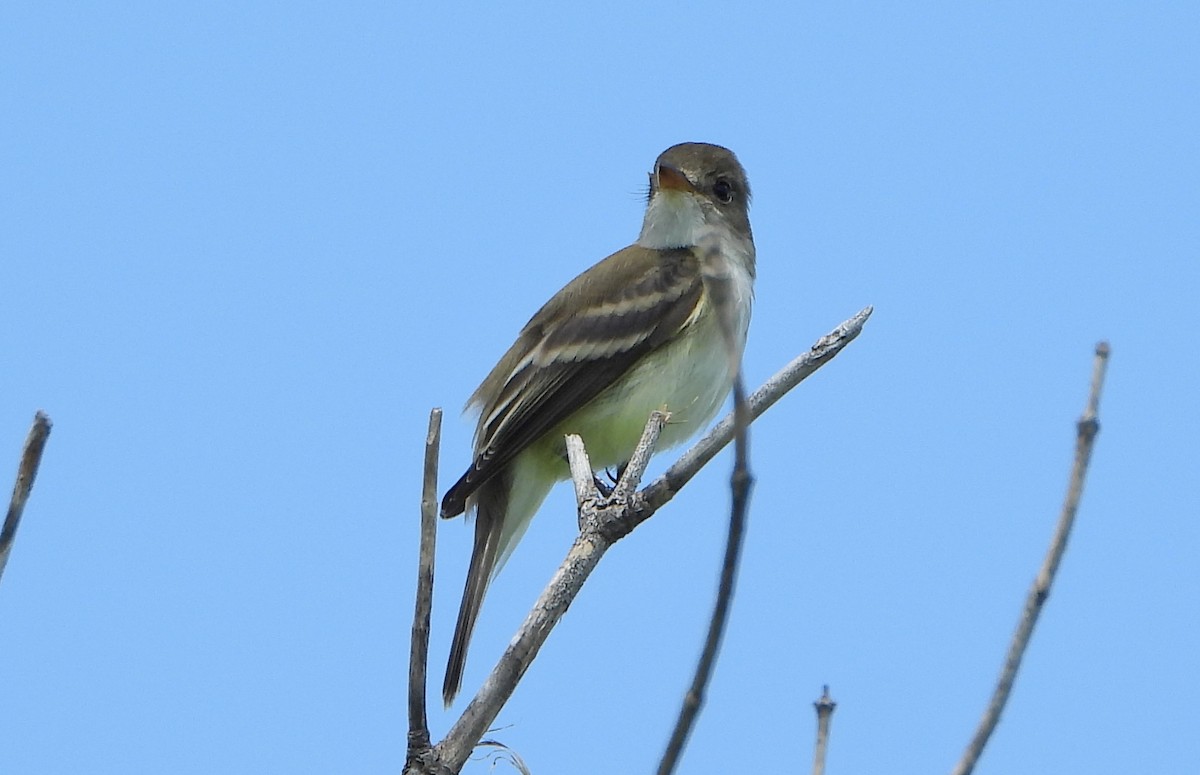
246,247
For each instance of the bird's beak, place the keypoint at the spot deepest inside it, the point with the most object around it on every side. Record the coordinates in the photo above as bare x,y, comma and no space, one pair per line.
672,179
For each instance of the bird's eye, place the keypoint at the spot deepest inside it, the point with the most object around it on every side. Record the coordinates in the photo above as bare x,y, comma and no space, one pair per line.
723,191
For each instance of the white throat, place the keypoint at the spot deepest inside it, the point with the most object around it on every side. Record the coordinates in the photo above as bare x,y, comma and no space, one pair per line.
674,219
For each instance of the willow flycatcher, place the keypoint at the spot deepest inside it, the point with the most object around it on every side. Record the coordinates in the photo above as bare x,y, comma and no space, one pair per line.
637,332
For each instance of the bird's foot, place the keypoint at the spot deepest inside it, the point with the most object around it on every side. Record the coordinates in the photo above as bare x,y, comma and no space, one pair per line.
605,488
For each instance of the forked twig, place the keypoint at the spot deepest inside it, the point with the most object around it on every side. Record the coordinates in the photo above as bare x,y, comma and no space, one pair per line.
601,523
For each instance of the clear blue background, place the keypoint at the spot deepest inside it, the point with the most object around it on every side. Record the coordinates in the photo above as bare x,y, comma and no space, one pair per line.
246,247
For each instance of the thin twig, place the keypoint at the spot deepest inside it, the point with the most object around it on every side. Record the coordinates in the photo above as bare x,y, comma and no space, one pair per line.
581,472
418,661
631,477
1086,430
741,482
825,707
31,458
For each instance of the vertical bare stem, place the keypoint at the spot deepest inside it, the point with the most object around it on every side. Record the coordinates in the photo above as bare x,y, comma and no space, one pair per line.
825,707
581,472
1086,430
31,458
418,661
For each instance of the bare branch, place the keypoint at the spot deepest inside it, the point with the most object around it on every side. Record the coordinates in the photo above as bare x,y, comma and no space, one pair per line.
825,707
666,486
605,522
418,661
718,282
1086,430
740,484
31,458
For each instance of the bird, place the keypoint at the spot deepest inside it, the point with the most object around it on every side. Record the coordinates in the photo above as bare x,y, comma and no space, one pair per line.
637,332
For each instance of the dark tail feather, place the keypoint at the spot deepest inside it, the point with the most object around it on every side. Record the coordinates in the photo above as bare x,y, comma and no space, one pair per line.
455,500
489,520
